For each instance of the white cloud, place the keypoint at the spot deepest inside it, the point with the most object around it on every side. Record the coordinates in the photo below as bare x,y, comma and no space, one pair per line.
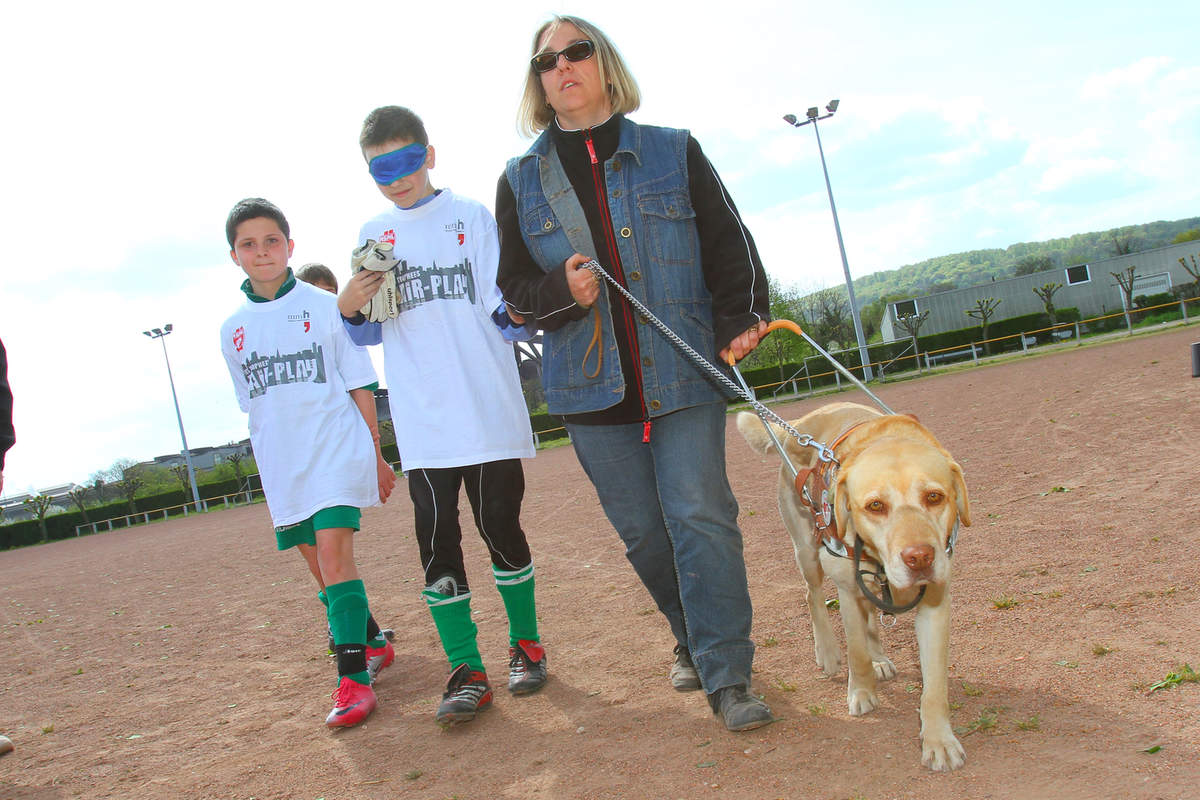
1124,79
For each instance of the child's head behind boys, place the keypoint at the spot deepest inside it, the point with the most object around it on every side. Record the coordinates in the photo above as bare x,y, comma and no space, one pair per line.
259,242
319,276
398,155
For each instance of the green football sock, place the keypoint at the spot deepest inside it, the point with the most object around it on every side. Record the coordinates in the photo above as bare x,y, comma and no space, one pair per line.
516,589
373,641
348,618
452,618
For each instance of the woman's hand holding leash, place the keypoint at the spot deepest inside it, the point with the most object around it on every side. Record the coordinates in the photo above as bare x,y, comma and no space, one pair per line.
743,344
583,283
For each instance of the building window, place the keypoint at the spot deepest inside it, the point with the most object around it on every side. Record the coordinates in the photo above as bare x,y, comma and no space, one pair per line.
905,308
1078,274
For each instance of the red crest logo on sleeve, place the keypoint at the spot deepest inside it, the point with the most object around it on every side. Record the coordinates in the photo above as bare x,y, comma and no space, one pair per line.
462,237
307,325
239,339
389,237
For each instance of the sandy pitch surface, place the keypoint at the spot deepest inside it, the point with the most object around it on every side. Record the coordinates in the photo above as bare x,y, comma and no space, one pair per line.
187,659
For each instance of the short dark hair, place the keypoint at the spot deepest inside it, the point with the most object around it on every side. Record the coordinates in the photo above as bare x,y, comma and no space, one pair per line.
317,273
388,123
253,208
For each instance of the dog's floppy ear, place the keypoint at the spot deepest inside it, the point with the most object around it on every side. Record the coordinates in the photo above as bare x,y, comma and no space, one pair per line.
841,504
960,493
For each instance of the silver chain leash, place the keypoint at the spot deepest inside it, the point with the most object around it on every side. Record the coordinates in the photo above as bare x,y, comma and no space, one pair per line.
763,412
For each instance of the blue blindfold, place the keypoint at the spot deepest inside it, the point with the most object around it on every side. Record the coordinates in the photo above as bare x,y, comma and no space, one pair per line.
390,167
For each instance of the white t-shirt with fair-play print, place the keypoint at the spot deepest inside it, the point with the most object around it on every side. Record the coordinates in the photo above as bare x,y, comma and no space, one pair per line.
452,378
292,365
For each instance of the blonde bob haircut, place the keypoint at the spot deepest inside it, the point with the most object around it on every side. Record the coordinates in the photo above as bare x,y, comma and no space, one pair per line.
534,114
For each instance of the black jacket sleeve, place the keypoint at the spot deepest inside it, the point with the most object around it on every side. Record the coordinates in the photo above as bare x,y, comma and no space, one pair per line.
733,271
541,297
7,435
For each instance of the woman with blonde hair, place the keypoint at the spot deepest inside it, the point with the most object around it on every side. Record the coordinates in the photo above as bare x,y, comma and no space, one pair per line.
648,426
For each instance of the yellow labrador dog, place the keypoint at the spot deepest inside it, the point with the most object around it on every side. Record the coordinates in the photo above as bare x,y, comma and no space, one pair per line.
898,496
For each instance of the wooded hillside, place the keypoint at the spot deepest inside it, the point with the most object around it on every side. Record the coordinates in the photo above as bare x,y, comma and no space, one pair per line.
979,266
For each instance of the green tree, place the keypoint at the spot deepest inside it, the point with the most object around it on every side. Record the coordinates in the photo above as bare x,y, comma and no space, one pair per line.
912,323
40,504
1034,263
127,478
79,496
1125,279
983,311
1046,293
1186,236
1123,241
181,475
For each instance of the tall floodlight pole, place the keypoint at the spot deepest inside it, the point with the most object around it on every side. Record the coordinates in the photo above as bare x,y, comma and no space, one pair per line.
858,330
161,334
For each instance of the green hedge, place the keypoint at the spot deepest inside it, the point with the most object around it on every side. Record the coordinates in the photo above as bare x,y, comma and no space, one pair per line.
62,526
544,426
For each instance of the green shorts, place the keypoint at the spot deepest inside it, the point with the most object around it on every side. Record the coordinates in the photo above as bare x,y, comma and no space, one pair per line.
306,532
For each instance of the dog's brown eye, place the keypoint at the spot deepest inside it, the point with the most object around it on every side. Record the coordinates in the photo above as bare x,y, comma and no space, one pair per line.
933,498
875,506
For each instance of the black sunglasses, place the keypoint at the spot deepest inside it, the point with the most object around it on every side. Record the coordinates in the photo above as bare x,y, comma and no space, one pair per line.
580,51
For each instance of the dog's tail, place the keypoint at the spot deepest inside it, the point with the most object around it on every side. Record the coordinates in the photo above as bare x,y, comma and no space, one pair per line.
752,430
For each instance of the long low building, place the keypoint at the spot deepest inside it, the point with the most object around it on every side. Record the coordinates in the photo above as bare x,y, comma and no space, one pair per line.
1089,287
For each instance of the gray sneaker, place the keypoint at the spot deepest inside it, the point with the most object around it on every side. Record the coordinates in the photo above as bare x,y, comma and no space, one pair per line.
740,710
683,671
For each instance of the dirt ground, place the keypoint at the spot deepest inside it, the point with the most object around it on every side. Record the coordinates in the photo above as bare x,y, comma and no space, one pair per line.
187,658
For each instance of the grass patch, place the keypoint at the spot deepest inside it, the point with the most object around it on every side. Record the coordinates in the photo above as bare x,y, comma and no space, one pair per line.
1031,724
971,691
784,686
770,641
1099,650
816,710
988,718
1182,674
1006,601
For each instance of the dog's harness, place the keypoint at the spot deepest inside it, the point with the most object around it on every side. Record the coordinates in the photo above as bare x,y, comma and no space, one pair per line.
823,474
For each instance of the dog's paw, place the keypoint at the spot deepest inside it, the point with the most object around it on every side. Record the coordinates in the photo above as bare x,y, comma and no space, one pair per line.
829,659
885,670
861,701
942,753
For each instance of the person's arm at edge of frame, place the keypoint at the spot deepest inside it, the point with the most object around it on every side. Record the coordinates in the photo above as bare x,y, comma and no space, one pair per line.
8,436
732,268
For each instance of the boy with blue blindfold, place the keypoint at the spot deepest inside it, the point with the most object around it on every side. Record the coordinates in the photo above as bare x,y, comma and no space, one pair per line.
387,168
455,394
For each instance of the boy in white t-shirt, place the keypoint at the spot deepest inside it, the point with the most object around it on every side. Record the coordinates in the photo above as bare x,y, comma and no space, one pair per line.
302,381
457,407
322,277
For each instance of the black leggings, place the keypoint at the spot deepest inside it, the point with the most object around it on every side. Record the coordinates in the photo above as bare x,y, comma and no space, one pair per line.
495,491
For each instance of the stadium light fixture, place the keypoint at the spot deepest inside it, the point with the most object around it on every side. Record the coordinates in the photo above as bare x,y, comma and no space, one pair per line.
814,116
161,334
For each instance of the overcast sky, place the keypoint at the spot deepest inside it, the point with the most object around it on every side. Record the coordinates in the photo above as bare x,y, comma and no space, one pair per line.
131,129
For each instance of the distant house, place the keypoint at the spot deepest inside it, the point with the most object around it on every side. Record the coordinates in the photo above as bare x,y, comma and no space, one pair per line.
202,457
1089,287
15,509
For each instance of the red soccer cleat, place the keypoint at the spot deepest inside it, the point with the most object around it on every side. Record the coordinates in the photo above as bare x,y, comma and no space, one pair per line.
352,703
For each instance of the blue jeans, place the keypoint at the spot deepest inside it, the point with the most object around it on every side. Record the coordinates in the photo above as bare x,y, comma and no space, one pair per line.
671,503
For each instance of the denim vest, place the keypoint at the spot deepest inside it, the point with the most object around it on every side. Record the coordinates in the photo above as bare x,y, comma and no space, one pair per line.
659,247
